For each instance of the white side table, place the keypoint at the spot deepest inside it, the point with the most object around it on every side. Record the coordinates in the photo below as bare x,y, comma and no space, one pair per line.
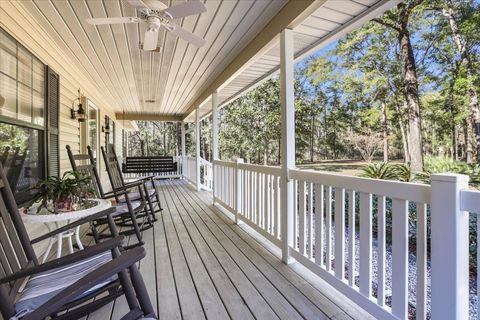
65,218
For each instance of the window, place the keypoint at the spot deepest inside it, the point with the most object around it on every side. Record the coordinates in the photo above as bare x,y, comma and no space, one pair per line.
22,156
92,127
22,117
22,83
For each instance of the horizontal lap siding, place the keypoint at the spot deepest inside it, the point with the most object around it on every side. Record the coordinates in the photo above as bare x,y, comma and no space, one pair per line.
19,24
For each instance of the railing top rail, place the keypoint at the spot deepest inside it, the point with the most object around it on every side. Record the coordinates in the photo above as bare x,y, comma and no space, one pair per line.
276,171
225,163
470,201
205,162
393,189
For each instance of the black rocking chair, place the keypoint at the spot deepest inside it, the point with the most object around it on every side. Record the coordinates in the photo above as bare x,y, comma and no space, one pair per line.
69,287
128,214
116,180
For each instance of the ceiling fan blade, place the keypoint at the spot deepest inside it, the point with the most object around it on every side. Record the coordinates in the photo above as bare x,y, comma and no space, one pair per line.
139,5
187,36
186,9
115,20
150,40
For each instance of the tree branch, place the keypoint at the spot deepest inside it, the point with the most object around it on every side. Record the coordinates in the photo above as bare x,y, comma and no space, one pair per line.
386,24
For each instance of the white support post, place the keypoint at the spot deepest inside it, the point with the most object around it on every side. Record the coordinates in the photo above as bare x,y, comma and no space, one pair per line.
450,288
184,160
214,141
197,148
238,190
287,110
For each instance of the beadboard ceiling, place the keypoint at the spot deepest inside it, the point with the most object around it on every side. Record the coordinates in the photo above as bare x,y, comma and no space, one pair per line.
111,57
177,77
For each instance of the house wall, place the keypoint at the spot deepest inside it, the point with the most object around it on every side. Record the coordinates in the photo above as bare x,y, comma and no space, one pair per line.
18,23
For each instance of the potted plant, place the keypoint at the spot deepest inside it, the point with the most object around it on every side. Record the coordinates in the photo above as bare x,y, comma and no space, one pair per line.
68,193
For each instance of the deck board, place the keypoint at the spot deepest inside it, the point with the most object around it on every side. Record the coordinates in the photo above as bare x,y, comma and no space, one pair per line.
200,265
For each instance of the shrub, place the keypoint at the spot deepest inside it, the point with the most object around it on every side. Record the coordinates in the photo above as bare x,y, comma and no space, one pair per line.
379,170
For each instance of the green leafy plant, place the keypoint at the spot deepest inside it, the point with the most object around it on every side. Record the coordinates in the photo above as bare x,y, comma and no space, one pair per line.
62,194
380,170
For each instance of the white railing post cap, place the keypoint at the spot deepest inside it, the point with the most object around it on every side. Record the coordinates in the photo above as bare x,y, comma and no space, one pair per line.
449,177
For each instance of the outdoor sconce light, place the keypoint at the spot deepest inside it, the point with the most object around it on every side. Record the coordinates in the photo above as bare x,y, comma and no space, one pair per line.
106,128
80,113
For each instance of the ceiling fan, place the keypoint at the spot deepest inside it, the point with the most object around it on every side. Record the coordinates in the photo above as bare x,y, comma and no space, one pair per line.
158,15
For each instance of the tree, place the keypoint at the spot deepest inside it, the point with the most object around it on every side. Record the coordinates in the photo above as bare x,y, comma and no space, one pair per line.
453,12
398,20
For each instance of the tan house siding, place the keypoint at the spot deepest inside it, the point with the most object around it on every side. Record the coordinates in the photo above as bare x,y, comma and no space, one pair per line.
19,24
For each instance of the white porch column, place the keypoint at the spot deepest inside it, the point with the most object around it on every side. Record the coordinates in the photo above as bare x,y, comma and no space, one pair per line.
184,160
449,248
197,147
287,110
214,140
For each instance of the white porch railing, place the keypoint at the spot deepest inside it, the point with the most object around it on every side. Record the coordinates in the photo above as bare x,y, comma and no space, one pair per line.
334,235
206,172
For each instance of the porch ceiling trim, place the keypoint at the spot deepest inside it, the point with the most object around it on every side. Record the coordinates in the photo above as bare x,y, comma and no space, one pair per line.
291,15
147,116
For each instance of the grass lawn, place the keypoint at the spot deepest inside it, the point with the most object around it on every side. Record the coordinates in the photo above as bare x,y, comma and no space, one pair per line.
346,167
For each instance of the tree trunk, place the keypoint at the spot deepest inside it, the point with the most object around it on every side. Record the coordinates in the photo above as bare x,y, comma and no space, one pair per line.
468,140
403,135
474,117
265,152
312,136
385,131
414,136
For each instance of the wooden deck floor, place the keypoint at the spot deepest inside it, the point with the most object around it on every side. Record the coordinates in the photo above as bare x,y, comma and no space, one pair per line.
200,265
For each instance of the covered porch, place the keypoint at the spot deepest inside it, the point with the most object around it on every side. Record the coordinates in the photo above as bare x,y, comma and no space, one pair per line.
200,265
238,240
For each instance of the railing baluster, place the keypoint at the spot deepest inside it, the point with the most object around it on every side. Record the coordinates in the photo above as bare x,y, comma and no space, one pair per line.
319,212
276,210
328,234
295,214
399,258
351,238
421,299
365,244
301,216
310,220
381,232
340,233
266,199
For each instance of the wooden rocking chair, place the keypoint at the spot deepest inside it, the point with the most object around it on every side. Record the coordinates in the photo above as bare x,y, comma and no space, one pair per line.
69,287
116,180
128,214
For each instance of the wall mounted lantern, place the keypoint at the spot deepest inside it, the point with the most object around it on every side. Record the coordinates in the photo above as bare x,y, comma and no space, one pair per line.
80,113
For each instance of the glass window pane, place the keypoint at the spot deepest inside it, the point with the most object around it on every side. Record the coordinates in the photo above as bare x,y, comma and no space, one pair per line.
92,130
24,66
24,103
38,75
8,96
22,156
38,106
8,53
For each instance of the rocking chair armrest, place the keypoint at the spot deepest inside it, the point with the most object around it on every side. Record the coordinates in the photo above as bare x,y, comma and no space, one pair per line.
115,193
133,184
74,224
66,260
117,265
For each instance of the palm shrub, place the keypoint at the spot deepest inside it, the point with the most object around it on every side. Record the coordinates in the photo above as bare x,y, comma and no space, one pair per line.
379,170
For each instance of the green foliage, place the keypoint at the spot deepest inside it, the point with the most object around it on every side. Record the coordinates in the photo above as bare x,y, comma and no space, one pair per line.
380,170
71,187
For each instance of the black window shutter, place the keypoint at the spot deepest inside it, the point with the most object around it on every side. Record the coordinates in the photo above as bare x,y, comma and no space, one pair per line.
53,114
